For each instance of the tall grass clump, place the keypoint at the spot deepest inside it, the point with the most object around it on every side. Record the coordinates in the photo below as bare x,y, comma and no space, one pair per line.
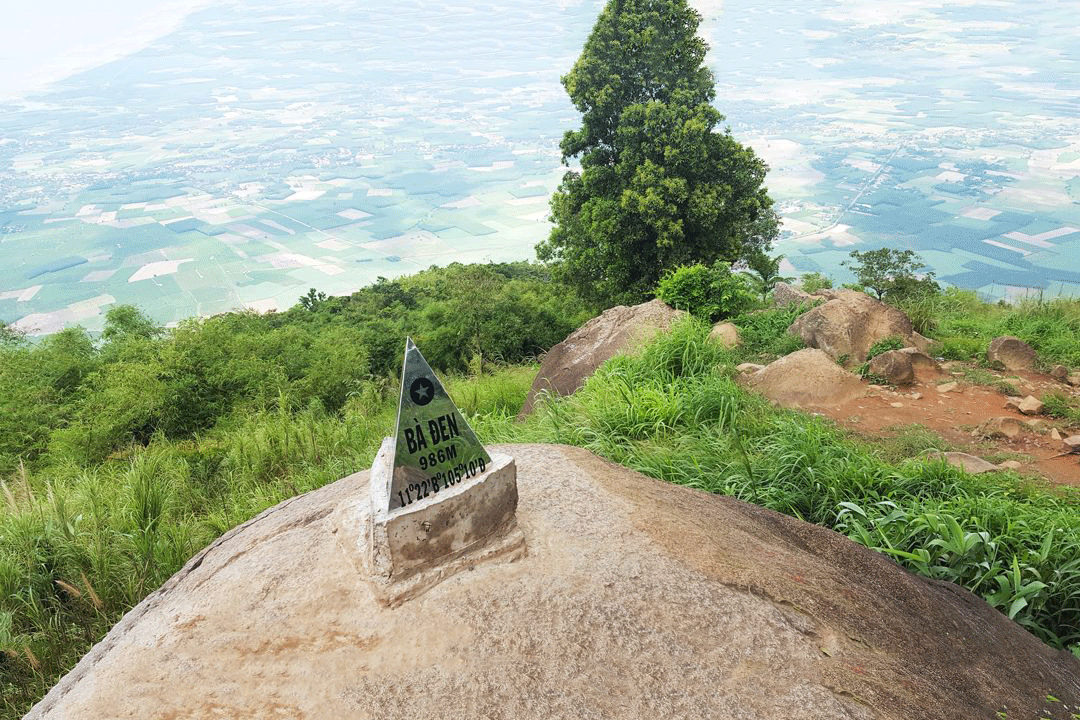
764,336
673,412
964,326
81,544
1051,327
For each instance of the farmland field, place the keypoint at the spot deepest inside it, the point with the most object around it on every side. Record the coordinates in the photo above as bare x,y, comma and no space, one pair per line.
260,150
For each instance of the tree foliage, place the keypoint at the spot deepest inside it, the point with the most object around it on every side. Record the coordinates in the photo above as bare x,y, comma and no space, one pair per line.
763,271
73,397
659,187
892,274
708,292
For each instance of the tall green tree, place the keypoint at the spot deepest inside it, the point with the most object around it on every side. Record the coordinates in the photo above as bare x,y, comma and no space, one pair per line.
892,274
659,186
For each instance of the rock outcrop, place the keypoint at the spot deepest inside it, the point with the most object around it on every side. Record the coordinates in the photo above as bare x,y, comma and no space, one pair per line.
748,368
567,365
904,366
850,323
726,334
807,379
1030,405
784,294
1000,427
636,599
1011,353
894,367
971,464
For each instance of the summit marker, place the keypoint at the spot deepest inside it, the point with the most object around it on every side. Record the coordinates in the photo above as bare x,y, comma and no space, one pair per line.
434,448
438,502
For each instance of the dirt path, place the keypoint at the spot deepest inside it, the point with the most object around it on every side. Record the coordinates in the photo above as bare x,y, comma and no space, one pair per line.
956,414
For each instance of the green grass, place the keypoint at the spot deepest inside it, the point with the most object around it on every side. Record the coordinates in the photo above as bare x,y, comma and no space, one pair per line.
81,545
963,326
85,536
674,413
1060,405
980,376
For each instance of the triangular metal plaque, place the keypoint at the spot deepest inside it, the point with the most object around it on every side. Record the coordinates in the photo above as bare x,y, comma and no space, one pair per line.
434,447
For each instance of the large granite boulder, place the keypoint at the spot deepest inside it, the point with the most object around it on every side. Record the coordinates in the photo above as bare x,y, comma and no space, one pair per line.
1011,353
784,294
636,599
904,366
567,365
807,379
726,334
850,323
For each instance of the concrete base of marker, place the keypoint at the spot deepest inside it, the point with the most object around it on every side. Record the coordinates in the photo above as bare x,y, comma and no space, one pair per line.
406,551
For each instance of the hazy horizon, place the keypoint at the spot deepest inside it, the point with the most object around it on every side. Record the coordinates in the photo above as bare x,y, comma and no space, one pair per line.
50,40
202,157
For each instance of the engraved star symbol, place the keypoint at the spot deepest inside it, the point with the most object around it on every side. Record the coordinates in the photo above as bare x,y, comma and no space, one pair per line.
422,391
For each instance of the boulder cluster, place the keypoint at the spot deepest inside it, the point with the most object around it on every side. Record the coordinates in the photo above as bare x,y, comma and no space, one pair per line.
839,331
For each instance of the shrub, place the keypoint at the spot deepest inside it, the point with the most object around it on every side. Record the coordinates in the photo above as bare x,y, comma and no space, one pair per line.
884,345
763,334
812,282
892,274
706,292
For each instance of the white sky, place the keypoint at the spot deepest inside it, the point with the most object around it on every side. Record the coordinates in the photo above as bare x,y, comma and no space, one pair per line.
45,40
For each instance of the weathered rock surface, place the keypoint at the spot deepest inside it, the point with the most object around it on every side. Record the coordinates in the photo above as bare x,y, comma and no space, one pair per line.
1073,379
968,463
903,367
567,365
807,379
925,367
1030,405
637,599
850,323
1000,427
1011,353
784,294
748,368
1072,443
1059,372
726,334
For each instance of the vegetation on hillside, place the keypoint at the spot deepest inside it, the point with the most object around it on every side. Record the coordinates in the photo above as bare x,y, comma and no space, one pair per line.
674,412
82,400
121,456
658,185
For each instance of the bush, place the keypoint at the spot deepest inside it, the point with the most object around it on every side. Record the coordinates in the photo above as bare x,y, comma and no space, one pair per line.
884,345
961,348
892,274
707,292
812,282
764,334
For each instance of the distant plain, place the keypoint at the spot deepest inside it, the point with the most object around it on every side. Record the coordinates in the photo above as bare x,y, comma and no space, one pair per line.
257,151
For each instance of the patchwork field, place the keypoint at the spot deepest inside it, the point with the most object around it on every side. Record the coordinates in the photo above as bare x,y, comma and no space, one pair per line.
258,151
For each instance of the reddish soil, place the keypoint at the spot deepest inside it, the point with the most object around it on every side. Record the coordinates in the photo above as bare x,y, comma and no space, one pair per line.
956,415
